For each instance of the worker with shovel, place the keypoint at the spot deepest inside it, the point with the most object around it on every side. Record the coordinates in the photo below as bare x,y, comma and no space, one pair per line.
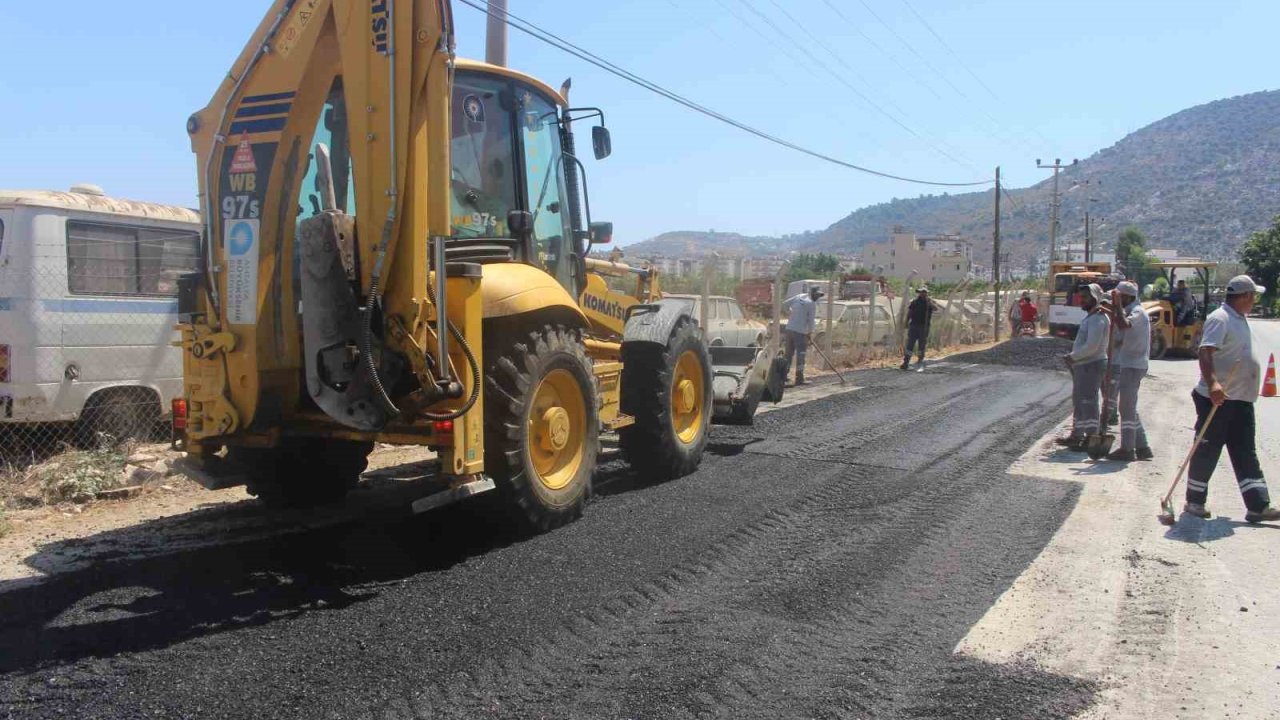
802,312
1087,362
1227,345
1130,349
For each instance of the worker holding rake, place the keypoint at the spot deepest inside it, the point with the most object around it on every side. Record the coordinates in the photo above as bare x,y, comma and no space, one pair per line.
1227,345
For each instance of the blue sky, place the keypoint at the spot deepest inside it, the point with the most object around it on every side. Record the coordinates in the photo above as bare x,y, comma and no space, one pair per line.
100,92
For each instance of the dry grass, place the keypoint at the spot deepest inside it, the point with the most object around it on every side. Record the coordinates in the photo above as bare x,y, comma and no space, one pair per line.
74,475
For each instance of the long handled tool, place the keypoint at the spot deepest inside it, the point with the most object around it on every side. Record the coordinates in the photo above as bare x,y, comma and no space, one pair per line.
1165,515
828,361
1099,444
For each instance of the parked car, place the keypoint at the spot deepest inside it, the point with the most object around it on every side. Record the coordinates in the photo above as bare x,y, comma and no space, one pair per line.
726,323
851,323
88,304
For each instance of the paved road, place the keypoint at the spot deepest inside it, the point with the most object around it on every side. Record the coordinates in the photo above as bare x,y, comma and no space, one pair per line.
823,564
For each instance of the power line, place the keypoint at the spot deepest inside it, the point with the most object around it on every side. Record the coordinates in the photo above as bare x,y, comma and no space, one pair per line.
870,41
941,75
958,59
560,43
842,80
953,53
853,71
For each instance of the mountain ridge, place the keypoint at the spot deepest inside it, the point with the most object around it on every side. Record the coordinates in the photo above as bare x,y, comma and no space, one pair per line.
1199,181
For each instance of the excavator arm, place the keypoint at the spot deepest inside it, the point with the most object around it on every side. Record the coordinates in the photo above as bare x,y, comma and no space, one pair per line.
324,183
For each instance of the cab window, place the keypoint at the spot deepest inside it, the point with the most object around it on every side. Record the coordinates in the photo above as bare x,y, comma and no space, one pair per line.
482,152
544,184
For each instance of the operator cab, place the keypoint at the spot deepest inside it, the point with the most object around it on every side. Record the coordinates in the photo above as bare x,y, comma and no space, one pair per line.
515,181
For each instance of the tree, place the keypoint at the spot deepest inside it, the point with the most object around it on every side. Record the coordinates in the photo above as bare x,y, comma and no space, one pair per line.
812,267
1131,252
1261,254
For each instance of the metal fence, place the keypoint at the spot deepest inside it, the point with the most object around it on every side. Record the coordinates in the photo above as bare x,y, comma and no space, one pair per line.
87,360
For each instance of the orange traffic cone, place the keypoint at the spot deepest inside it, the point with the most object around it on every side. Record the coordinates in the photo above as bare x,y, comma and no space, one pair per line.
1269,382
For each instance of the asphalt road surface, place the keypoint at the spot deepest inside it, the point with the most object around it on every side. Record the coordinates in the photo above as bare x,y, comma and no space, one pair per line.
822,564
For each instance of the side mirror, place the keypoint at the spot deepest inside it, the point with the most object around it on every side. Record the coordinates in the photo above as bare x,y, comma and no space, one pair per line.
601,233
601,142
520,224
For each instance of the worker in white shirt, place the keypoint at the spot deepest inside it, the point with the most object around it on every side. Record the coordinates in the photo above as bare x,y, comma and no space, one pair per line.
802,312
1087,362
1229,379
1130,350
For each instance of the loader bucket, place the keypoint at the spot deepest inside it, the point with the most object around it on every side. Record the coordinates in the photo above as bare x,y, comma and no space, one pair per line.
740,376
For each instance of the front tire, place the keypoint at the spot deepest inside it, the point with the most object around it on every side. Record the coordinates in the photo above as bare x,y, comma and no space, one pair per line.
667,389
542,425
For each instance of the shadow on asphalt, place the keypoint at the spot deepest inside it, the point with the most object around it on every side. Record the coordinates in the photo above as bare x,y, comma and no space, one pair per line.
133,605
127,602
1191,529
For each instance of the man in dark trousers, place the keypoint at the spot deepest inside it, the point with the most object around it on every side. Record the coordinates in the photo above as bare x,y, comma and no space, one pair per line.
919,315
1229,378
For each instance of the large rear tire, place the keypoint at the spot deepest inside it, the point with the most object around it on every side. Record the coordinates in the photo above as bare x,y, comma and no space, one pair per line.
668,391
542,423
302,472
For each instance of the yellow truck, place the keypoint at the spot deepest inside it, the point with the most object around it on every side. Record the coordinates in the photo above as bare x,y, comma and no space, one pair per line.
395,250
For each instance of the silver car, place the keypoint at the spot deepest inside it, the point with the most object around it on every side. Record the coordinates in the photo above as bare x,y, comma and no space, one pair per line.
726,323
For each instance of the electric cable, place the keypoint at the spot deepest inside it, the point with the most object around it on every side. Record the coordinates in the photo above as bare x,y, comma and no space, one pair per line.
560,43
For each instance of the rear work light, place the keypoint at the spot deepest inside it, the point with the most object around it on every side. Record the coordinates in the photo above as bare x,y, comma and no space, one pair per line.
179,414
443,427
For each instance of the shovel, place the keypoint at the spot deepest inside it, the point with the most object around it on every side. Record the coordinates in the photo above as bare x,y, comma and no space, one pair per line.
1166,515
828,361
1098,445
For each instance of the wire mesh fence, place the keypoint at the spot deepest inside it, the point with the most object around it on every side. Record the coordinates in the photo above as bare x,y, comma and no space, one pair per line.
87,361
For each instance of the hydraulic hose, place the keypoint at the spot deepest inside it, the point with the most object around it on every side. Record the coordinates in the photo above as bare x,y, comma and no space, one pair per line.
475,379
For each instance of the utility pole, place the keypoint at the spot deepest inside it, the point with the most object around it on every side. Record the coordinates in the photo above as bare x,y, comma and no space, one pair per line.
495,48
1055,205
995,259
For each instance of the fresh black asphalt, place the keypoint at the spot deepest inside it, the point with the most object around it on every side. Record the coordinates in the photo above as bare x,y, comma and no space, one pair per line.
822,564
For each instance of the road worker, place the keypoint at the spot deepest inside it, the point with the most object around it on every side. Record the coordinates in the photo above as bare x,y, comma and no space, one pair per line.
1087,362
802,312
919,316
1229,379
1130,349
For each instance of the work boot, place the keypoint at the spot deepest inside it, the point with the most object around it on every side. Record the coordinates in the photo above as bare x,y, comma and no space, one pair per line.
800,380
1144,453
1123,455
1198,510
905,364
1068,440
1266,514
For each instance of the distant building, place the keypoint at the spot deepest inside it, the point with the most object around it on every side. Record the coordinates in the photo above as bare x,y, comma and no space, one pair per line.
934,258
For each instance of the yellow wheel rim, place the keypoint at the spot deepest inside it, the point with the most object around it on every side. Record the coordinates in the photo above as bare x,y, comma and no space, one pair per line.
557,429
688,394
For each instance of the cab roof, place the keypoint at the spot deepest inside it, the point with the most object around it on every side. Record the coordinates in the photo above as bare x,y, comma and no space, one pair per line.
484,67
92,202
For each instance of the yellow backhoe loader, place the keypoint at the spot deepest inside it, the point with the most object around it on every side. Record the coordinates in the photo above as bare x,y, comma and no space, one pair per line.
396,250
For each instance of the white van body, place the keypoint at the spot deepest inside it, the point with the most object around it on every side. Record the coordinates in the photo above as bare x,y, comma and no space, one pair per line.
88,303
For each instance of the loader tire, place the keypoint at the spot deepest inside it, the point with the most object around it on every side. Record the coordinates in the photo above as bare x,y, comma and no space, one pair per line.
542,423
303,472
668,391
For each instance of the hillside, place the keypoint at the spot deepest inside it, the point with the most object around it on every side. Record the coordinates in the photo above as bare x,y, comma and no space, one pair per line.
685,243
1200,181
